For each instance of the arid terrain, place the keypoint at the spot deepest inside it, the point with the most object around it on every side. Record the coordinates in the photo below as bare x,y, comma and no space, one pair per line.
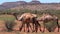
13,7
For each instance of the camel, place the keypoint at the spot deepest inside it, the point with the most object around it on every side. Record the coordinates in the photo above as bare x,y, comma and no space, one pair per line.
48,17
28,18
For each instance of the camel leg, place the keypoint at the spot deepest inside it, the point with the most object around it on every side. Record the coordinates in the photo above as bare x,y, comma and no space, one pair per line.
21,26
36,27
28,27
39,26
58,28
58,25
33,22
25,27
44,28
31,27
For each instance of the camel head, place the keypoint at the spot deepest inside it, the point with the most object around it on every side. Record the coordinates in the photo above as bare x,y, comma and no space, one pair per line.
15,15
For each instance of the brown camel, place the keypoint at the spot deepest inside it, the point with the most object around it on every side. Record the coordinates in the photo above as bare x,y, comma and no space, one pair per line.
46,18
28,18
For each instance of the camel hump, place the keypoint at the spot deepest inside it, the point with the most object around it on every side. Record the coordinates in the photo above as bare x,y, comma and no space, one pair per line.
34,15
25,16
48,17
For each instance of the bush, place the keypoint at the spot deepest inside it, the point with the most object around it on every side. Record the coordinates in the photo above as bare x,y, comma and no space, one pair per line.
9,25
51,25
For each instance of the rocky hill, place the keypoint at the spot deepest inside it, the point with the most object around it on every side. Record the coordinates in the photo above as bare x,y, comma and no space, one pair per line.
33,5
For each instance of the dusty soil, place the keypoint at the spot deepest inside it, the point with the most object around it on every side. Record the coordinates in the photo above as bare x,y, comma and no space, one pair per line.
29,33
18,32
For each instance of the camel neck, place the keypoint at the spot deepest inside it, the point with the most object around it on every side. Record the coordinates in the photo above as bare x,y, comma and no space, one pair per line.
15,16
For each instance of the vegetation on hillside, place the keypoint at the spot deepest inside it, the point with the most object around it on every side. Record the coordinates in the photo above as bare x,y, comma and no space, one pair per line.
8,11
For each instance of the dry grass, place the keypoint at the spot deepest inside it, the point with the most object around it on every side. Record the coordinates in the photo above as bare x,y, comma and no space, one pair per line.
7,17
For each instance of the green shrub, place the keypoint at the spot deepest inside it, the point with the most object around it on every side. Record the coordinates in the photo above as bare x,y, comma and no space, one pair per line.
51,25
9,25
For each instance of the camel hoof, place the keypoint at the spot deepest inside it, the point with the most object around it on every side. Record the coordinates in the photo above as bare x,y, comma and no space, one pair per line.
33,31
40,30
20,30
36,31
28,31
58,31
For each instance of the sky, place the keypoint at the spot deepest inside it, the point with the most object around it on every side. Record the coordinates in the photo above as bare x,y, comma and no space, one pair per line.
42,1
